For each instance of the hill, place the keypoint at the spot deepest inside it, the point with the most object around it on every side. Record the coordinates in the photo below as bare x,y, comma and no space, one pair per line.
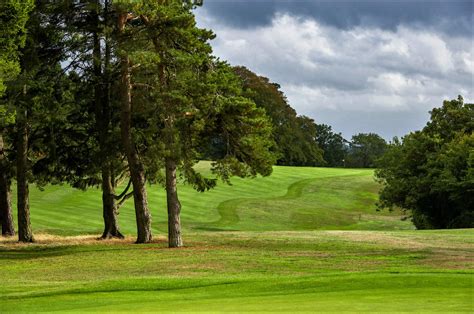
292,198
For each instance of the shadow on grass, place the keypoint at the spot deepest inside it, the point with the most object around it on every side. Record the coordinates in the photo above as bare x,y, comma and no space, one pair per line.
54,246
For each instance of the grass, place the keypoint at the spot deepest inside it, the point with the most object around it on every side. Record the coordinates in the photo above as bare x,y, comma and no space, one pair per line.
267,244
290,199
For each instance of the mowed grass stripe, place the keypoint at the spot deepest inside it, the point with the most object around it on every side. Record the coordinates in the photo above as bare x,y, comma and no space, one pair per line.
327,202
63,210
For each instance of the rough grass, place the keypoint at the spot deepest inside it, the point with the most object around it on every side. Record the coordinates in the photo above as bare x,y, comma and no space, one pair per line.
304,239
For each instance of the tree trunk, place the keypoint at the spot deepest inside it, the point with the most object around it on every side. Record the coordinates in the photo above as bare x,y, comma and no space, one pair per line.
6,217
109,205
137,173
6,207
174,206
25,233
101,98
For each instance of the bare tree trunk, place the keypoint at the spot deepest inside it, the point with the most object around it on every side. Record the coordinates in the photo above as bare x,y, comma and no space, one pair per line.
174,206
110,208
25,233
137,172
6,217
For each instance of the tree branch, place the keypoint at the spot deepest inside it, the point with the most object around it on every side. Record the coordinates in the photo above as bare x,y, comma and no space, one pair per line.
123,194
122,201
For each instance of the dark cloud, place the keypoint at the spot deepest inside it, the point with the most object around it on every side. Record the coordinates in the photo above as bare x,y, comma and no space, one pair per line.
449,16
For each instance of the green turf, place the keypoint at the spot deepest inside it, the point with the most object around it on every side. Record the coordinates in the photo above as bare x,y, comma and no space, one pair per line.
236,271
266,244
290,199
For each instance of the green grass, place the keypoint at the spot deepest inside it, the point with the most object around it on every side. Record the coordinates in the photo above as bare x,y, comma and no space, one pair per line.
267,244
290,199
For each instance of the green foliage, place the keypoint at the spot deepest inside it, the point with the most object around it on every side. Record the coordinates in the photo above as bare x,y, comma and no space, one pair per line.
430,172
332,144
243,129
294,135
13,17
184,98
364,150
39,92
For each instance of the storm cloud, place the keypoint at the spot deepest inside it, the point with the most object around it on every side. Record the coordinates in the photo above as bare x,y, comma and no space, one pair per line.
350,65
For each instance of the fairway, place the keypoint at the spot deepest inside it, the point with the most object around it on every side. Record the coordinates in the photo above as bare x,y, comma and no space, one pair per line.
292,198
303,239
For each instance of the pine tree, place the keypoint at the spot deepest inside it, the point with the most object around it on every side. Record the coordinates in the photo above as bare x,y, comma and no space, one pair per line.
183,98
33,93
13,17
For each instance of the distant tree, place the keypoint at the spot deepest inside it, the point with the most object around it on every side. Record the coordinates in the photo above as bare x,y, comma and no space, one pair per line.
364,150
430,172
294,136
333,145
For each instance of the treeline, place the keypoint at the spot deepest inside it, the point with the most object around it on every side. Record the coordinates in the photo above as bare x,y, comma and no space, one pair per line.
299,141
118,93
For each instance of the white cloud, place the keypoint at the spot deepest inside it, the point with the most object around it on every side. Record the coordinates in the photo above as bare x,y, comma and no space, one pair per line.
323,68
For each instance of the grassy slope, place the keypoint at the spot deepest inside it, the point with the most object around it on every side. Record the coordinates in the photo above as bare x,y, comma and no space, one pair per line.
290,199
286,266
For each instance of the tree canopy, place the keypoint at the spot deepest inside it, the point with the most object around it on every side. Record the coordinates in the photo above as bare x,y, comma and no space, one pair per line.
294,136
364,150
333,145
13,17
429,173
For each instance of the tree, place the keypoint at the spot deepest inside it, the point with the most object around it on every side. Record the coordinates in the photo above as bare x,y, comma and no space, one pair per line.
182,97
429,173
85,149
137,171
231,118
333,145
364,150
13,16
293,135
32,94
108,154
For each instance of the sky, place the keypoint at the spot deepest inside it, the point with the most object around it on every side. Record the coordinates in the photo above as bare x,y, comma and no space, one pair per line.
360,66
